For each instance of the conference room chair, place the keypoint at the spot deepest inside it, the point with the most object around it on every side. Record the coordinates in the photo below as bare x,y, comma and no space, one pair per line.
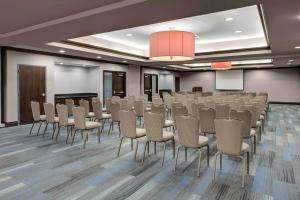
131,100
206,120
115,108
70,105
37,117
155,133
86,105
99,100
230,142
222,111
195,109
188,135
254,124
161,110
82,125
157,101
99,115
50,118
115,99
139,110
178,111
124,104
129,130
64,120
108,102
248,133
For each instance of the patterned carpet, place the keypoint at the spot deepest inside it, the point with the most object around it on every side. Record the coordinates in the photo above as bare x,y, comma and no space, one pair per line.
33,167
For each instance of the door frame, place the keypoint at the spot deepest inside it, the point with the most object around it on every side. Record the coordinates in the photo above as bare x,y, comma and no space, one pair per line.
18,88
151,83
177,77
103,96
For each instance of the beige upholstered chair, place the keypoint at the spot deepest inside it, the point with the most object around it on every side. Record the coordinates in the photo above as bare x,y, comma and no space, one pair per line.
98,100
124,104
107,105
82,125
230,142
129,130
195,109
70,105
206,120
157,101
178,111
188,133
154,132
254,124
131,100
50,117
99,115
248,133
63,120
115,99
37,117
115,108
139,110
86,105
161,110
222,111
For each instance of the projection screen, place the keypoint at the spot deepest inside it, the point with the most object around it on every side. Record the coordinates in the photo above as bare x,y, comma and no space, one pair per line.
230,80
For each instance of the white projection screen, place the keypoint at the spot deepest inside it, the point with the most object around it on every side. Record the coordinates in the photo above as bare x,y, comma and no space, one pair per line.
230,80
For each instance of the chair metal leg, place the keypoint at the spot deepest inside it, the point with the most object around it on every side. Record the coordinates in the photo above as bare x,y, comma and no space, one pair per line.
185,153
53,133
136,148
31,128
173,142
207,155
39,128
73,137
146,144
98,135
199,163
110,127
45,129
247,162
68,130
86,138
148,148
216,158
154,147
131,143
81,134
254,144
119,129
243,171
58,131
176,157
220,161
163,156
120,146
103,123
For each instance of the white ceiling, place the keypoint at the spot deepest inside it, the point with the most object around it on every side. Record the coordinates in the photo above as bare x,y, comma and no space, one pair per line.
213,32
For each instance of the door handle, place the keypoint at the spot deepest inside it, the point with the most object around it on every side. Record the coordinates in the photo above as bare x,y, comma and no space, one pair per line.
43,94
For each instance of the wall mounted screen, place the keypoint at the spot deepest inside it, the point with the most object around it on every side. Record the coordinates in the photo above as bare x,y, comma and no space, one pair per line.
230,80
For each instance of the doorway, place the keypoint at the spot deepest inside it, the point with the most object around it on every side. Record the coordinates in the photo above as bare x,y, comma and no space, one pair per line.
114,84
150,85
177,84
32,87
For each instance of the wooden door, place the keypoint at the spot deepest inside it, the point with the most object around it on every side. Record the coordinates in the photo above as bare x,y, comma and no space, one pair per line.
32,87
119,84
177,84
148,86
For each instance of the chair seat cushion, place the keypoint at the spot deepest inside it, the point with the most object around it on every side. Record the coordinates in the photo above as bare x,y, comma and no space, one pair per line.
167,135
203,140
104,110
261,117
71,121
169,123
106,116
92,125
258,123
245,147
252,132
148,109
56,119
91,114
140,132
43,117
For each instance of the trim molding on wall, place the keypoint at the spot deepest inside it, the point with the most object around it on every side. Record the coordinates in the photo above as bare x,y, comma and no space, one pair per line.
281,102
3,82
10,124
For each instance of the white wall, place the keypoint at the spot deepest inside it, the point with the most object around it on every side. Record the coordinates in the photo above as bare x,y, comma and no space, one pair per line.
282,84
15,58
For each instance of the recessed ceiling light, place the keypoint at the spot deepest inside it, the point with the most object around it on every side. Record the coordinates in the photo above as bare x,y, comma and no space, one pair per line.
62,51
129,34
99,57
197,36
297,47
291,60
124,61
164,67
61,63
228,19
289,63
238,31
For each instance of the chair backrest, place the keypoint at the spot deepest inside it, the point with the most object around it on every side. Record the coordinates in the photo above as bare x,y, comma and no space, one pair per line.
115,99
206,120
107,105
96,99
115,108
49,112
35,108
97,109
124,104
188,131
222,111
131,100
154,126
252,110
79,117
157,101
85,104
139,108
245,117
70,105
159,110
62,113
229,136
128,123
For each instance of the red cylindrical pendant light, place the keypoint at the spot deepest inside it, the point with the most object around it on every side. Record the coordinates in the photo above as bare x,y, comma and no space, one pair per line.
172,46
221,65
